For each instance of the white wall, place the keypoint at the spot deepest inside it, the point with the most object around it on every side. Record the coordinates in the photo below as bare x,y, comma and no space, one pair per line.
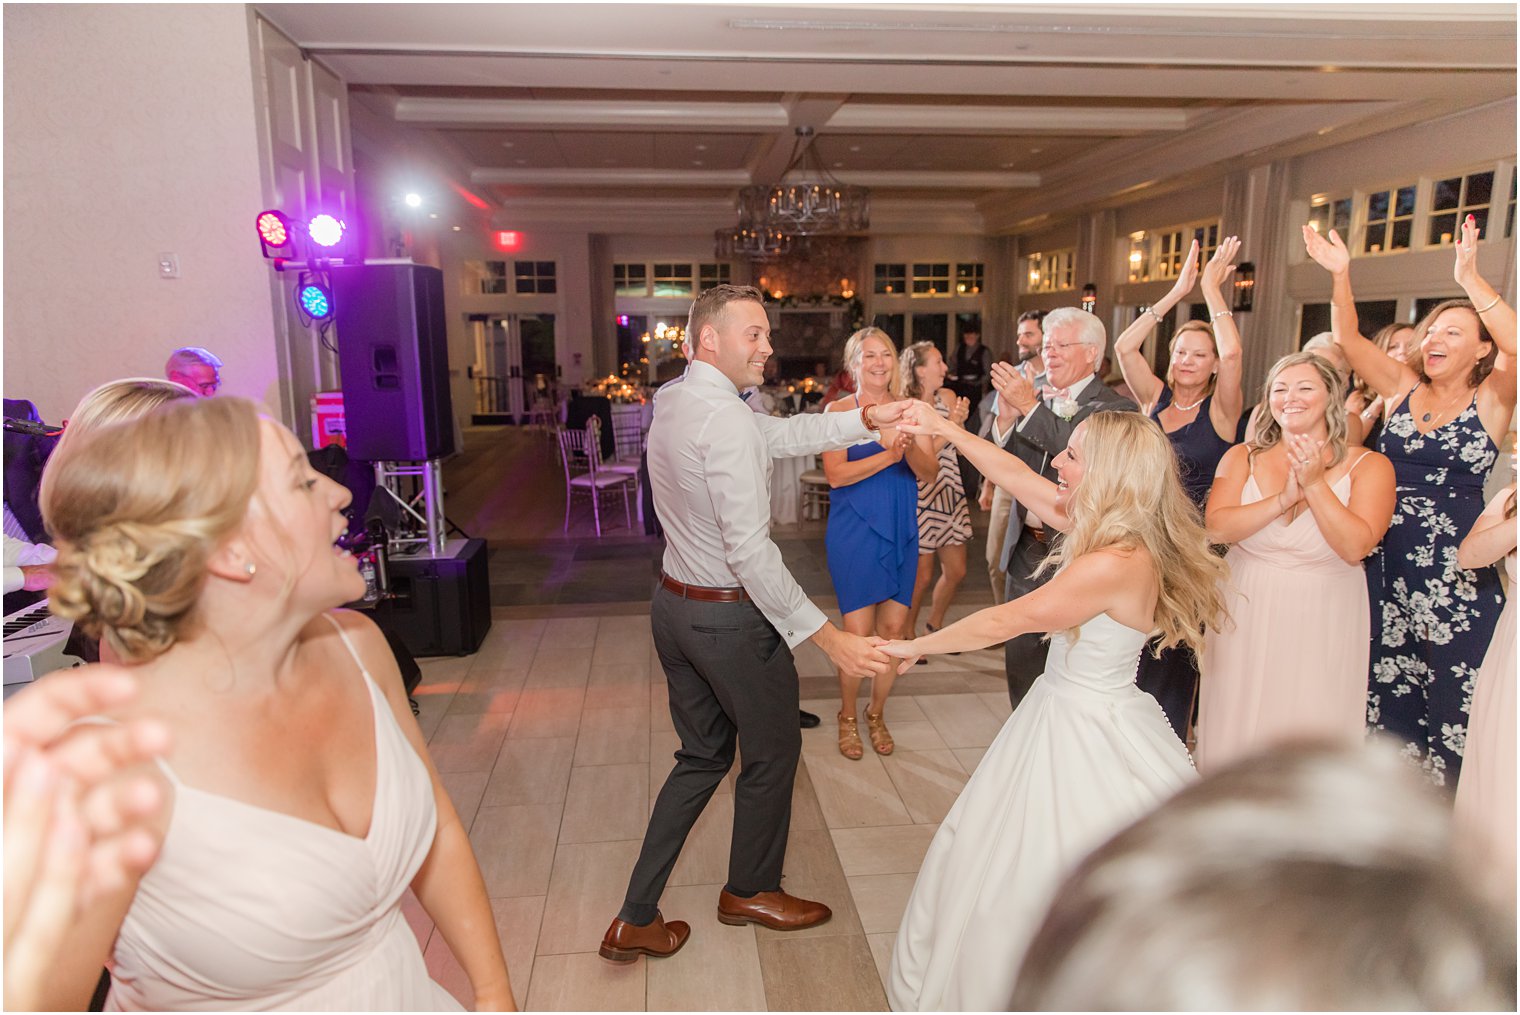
130,130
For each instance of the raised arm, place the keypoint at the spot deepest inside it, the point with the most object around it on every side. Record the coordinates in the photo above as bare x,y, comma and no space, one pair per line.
1388,376
1132,364
1026,486
1092,584
1492,536
1228,401
1499,318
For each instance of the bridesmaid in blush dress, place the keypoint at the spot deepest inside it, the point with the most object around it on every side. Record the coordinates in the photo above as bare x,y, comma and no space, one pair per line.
1301,512
1485,808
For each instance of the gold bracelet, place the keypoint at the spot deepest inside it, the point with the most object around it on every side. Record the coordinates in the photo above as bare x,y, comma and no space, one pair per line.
1488,306
1222,313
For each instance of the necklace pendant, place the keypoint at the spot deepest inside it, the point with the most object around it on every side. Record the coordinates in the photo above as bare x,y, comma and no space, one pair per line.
1425,418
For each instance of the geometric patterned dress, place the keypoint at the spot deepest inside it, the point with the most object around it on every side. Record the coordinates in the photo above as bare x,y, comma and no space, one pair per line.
1431,620
943,519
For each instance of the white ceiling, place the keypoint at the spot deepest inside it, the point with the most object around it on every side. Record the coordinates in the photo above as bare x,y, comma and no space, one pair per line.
997,114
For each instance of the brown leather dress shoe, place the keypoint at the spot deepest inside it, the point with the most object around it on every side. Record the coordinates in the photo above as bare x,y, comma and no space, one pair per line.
625,942
776,910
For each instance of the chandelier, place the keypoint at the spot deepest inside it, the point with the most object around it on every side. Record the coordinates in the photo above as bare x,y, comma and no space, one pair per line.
755,244
810,204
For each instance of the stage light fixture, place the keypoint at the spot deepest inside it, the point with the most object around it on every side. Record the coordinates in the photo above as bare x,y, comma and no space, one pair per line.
325,230
413,200
314,297
275,235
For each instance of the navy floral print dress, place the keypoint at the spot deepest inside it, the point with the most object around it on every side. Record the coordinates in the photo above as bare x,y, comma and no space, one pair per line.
1431,619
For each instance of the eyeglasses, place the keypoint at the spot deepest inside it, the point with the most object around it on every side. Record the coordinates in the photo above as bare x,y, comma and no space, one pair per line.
1047,346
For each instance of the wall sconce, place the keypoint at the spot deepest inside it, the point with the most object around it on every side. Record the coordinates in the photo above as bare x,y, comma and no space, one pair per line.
1245,285
1090,298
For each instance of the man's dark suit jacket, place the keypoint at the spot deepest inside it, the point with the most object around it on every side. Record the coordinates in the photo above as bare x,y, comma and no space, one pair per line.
1044,437
25,456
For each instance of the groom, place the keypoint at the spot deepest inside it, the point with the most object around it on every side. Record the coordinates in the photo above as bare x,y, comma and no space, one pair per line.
725,619
1035,424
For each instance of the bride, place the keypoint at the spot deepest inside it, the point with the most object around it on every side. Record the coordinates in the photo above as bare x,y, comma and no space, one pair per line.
1086,752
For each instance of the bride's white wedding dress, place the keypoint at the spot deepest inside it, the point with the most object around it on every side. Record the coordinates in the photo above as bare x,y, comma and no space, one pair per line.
1085,753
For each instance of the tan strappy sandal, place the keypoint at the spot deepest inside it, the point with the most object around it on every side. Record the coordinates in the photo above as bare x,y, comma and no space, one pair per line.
881,737
849,737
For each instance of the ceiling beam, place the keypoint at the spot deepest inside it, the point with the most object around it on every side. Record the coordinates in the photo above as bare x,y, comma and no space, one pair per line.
566,114
614,177
883,118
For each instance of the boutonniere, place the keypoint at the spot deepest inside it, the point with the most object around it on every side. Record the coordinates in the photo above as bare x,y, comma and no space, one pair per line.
1064,407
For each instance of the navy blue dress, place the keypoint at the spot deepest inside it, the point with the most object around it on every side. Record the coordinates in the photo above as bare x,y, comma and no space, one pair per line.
872,537
1172,678
1431,620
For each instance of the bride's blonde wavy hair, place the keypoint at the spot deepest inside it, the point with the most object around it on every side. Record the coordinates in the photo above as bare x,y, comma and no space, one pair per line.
138,508
1131,495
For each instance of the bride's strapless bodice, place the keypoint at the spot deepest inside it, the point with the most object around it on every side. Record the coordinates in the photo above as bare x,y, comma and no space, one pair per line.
1103,658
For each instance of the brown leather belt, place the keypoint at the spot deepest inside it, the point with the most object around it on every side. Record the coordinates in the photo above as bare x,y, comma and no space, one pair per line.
1040,535
703,594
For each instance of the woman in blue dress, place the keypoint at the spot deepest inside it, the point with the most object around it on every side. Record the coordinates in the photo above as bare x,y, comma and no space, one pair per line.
1199,407
872,538
1432,619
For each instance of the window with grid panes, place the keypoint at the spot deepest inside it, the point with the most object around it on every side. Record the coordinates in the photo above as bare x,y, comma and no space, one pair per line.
534,276
1390,220
1331,213
494,279
931,280
630,279
1169,254
1453,199
1208,241
672,280
892,279
1051,272
968,279
714,274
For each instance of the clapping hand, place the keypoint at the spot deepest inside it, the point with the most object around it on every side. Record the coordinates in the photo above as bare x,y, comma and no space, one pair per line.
960,411
903,650
1306,460
1015,391
1328,251
1187,278
900,444
1221,265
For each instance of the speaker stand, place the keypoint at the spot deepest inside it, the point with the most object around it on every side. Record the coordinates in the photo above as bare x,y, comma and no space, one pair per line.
389,477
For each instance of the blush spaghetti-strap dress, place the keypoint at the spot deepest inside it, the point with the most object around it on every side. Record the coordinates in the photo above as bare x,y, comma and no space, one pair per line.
252,909
1292,661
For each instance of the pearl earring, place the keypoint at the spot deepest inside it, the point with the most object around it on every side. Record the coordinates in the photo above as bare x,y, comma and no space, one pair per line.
249,569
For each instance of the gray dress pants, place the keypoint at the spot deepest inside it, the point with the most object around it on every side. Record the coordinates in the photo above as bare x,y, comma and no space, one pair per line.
731,677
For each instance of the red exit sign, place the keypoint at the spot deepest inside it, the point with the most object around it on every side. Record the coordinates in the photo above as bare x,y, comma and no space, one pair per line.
507,239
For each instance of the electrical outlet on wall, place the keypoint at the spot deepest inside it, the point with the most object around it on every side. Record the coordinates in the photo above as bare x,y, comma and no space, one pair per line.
168,266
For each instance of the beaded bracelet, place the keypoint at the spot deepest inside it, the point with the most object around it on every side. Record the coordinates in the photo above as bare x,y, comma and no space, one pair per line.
1222,313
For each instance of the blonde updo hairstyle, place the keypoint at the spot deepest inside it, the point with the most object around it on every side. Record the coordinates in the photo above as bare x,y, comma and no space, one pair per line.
117,402
1269,432
1191,327
1131,495
854,351
138,508
913,357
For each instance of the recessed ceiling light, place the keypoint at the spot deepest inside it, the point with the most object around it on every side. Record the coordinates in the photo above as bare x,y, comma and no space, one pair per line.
509,144
432,214
697,162
522,162
839,165
701,148
457,228
1035,151
854,147
1008,165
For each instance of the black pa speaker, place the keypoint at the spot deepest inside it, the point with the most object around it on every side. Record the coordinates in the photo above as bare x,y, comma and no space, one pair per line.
393,351
439,605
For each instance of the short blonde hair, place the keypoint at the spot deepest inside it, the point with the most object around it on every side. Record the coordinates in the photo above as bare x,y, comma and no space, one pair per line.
854,349
138,508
